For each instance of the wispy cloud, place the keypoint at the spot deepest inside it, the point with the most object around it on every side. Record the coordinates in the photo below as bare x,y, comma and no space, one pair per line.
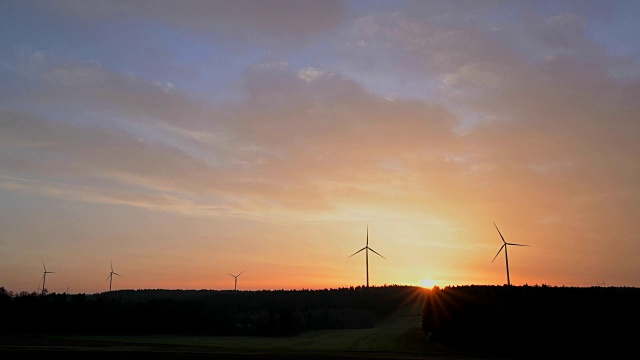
465,112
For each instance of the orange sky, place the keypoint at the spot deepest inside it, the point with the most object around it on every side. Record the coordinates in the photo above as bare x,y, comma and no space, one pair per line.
183,143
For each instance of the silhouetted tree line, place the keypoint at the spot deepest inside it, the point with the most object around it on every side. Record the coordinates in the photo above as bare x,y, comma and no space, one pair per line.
199,312
534,321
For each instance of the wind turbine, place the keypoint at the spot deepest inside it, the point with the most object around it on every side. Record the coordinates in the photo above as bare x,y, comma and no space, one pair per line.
367,248
235,285
110,277
504,246
44,277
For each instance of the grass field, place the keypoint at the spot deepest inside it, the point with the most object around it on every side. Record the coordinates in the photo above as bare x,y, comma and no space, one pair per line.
399,333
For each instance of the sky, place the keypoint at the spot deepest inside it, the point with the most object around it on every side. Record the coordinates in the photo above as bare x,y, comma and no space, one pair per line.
185,141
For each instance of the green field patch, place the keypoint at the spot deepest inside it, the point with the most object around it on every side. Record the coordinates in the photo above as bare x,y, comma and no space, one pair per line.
398,333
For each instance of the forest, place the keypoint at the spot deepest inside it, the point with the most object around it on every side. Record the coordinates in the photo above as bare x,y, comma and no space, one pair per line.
200,312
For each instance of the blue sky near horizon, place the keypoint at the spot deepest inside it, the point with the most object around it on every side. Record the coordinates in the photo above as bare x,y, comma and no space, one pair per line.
187,140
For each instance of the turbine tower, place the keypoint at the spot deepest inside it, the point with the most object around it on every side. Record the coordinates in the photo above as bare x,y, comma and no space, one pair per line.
235,285
44,277
110,277
367,249
506,257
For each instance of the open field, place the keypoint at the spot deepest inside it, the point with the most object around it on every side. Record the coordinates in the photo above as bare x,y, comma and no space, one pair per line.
397,337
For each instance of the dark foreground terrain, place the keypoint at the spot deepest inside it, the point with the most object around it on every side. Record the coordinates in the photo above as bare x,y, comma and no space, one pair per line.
535,321
398,336
394,322
64,348
353,323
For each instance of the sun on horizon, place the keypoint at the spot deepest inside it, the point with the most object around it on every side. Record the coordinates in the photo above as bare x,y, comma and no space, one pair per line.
428,283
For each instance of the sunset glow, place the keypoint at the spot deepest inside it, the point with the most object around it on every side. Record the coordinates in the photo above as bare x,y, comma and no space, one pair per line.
428,283
184,141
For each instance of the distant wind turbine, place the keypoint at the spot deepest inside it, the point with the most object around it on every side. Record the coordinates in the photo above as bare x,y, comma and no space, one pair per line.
367,249
235,285
44,277
504,246
110,277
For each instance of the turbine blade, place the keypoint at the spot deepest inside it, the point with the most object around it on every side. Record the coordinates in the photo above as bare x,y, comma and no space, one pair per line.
357,252
494,258
231,275
516,244
241,273
494,224
367,235
117,274
377,253
107,277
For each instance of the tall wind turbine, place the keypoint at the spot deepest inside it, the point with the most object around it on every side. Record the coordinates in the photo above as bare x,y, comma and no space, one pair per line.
506,257
110,277
44,277
367,249
235,285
